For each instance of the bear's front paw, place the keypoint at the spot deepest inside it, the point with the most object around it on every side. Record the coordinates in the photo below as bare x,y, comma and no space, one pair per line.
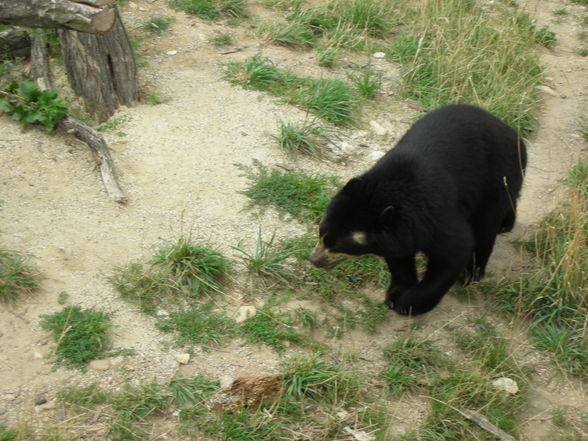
414,303
393,294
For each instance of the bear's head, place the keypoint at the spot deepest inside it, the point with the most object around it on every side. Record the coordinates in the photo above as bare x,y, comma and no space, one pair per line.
353,225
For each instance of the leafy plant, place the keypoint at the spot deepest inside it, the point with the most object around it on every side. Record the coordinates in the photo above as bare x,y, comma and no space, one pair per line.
270,327
368,82
26,103
81,335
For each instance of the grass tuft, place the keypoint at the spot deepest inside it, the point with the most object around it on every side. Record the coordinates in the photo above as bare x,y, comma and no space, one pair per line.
308,138
295,194
81,335
158,25
272,328
17,277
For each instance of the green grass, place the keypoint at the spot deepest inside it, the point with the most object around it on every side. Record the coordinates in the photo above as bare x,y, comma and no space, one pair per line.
18,277
221,39
272,328
319,379
293,194
211,9
308,138
327,57
412,364
194,267
484,344
368,82
584,127
81,335
554,295
199,324
332,100
454,52
158,25
268,261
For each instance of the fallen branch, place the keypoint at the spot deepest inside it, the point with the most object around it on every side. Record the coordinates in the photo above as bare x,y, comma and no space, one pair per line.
487,425
86,134
93,16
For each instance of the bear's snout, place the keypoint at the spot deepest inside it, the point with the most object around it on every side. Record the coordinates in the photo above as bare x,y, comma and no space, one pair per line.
323,258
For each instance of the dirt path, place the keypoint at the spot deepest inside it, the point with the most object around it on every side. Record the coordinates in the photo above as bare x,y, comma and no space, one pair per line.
177,165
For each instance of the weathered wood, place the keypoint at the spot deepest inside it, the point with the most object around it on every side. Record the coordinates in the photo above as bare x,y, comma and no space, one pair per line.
86,134
15,43
91,16
487,425
101,68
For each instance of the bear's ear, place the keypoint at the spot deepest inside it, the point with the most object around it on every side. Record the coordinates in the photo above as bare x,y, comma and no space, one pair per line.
354,187
387,214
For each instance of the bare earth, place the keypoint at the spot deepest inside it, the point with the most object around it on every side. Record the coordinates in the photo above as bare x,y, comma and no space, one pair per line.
177,165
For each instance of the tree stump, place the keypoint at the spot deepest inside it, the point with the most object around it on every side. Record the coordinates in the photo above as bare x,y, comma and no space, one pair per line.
101,68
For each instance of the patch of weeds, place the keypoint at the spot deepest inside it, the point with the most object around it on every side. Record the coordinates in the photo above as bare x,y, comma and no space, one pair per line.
244,425
545,37
17,277
260,73
145,287
272,328
412,363
199,324
197,268
268,261
211,9
307,318
294,194
308,138
372,315
292,34
462,392
368,82
372,17
554,295
561,11
316,378
85,396
81,335
486,345
154,98
330,99
327,57
189,391
451,53
158,25
583,52
221,39
114,124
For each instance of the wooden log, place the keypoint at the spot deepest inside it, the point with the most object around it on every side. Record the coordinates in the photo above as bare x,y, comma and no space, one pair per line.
15,43
93,16
86,134
101,68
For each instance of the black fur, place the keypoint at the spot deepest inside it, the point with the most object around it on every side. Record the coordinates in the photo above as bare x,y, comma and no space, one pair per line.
447,189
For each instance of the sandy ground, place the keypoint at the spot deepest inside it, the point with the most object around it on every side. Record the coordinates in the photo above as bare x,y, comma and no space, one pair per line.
177,165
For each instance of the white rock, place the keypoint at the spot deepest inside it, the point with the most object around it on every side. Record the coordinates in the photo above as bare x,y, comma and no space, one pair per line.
36,355
378,129
548,90
347,148
183,358
379,55
244,312
506,384
171,52
99,365
226,381
161,313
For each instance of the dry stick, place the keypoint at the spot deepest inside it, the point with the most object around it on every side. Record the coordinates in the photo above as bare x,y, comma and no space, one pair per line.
94,140
481,421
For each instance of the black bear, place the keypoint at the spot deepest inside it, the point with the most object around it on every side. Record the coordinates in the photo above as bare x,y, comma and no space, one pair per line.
447,189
